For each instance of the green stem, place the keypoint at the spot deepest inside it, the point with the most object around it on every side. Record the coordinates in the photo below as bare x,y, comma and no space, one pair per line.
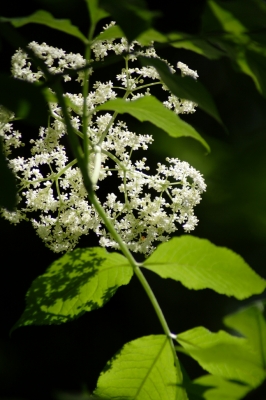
136,268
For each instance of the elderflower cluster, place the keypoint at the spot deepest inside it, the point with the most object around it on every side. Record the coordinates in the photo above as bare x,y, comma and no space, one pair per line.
144,208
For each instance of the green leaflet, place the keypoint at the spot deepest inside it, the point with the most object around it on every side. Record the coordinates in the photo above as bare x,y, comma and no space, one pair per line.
45,18
223,355
80,281
25,99
199,264
150,109
184,87
142,370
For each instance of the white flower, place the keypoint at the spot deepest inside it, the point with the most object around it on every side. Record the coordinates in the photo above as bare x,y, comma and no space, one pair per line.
144,208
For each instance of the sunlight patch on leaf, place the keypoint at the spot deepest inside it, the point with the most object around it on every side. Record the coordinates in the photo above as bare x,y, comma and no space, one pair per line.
80,281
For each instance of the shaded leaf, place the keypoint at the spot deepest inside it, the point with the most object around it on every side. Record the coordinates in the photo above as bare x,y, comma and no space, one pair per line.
142,370
96,13
194,390
238,16
150,109
45,18
8,190
238,28
255,65
25,99
196,44
80,281
184,87
223,355
181,40
132,16
199,264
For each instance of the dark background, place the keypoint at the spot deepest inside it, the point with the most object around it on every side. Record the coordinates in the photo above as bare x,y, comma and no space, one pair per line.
37,362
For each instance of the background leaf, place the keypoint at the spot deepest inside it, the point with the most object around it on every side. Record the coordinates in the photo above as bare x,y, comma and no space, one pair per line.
199,264
150,109
143,369
45,18
80,281
132,16
181,40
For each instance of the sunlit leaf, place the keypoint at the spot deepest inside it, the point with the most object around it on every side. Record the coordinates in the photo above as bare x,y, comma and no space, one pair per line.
80,281
25,99
8,191
150,109
143,370
218,388
199,264
45,18
223,355
184,87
